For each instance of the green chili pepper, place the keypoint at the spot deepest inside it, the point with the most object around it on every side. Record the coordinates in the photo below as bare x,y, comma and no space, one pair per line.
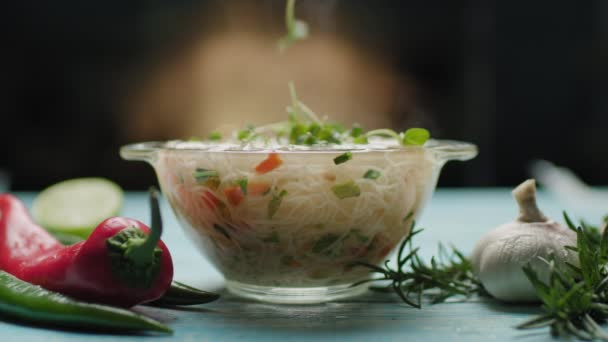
182,294
28,302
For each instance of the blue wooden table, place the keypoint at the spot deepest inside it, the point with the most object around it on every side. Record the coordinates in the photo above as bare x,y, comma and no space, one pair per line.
457,217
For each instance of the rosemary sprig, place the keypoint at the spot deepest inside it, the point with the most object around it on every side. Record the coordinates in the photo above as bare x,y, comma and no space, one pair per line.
575,298
449,275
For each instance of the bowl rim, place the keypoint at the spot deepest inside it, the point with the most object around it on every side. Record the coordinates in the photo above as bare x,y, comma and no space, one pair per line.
443,149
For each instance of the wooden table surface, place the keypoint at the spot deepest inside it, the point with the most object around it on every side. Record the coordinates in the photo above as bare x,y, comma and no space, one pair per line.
454,216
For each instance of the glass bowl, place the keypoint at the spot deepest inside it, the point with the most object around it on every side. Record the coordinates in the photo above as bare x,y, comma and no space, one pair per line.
287,225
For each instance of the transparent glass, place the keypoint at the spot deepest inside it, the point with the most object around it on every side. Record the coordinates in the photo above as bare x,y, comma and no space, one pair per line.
293,232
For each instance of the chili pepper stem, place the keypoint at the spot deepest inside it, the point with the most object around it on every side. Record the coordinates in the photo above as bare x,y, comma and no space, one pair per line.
141,251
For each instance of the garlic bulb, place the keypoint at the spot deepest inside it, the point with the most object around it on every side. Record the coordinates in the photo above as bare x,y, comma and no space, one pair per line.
500,254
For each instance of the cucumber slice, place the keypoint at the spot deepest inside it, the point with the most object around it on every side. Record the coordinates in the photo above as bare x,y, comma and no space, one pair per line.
77,206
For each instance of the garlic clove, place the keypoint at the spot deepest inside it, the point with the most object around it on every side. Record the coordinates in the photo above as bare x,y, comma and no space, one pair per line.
499,256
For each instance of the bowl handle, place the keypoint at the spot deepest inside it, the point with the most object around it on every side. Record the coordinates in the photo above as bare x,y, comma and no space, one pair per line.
455,150
146,151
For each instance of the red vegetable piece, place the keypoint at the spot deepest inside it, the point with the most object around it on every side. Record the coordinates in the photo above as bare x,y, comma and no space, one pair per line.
270,163
234,194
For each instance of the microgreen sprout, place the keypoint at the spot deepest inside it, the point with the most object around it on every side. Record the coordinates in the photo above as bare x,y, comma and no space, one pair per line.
296,29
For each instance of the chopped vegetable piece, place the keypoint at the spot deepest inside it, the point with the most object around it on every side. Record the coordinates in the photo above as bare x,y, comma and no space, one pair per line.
215,136
271,162
257,189
356,131
346,190
275,203
273,237
371,174
234,194
416,136
210,178
324,242
243,184
211,201
343,158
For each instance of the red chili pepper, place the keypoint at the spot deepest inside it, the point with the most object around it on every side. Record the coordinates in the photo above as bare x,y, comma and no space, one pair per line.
122,263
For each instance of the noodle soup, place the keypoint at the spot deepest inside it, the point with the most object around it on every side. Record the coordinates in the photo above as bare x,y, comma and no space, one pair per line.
289,225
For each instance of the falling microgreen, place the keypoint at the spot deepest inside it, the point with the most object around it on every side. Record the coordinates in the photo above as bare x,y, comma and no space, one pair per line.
296,29
346,190
372,174
275,203
343,158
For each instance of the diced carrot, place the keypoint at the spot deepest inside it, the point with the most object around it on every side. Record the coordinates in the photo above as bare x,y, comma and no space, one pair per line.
257,189
234,194
270,163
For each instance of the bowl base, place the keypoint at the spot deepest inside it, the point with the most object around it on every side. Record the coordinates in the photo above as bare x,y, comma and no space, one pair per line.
294,295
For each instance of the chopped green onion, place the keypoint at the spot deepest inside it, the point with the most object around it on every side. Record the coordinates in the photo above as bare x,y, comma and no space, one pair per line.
371,174
215,136
356,131
210,178
273,237
346,190
343,158
324,242
415,136
275,203
243,184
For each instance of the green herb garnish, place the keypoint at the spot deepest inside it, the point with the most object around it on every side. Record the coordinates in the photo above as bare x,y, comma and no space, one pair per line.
415,136
296,29
371,174
575,299
275,203
343,158
449,275
346,190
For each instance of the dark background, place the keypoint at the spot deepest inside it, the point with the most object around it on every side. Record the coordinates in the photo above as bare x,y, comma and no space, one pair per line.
521,79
